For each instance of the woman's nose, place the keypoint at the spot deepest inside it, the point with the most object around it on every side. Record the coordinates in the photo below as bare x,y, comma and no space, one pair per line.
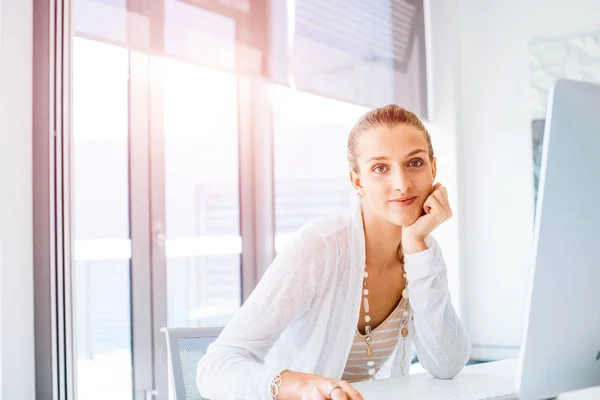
402,181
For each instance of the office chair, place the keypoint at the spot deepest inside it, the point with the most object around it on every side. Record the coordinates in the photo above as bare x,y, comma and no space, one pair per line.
185,347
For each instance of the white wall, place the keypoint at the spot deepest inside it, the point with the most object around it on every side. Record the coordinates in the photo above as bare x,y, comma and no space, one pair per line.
442,66
487,88
496,170
16,265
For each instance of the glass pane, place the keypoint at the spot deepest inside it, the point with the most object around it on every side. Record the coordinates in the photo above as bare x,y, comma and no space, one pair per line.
200,35
202,206
310,162
369,53
101,220
210,38
102,19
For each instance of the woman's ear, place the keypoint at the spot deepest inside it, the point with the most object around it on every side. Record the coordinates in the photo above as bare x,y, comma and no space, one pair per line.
355,180
434,167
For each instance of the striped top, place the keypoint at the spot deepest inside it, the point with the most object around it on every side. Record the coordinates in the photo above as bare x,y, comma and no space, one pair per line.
384,337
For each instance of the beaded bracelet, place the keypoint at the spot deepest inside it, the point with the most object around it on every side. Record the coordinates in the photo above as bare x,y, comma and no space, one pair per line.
275,384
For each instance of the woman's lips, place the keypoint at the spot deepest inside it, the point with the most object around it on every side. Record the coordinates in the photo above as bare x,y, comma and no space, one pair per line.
405,201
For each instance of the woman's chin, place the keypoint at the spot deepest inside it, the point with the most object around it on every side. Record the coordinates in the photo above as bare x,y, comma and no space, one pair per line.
404,219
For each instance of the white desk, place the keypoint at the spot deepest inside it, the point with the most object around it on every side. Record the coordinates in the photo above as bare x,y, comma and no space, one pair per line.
480,378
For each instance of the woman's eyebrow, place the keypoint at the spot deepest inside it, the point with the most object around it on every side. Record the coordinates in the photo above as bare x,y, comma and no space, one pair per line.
415,152
384,158
378,158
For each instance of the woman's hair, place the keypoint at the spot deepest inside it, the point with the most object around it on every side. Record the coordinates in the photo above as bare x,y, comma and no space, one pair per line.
388,116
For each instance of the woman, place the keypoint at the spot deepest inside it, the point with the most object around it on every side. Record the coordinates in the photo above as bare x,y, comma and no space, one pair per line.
349,295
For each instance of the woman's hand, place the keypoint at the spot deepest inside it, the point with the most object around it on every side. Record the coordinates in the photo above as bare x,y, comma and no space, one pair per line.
302,386
436,211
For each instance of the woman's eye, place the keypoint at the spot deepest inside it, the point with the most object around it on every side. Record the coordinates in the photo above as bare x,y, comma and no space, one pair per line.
416,163
380,169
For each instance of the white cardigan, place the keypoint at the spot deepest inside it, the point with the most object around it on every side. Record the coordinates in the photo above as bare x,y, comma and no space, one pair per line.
303,314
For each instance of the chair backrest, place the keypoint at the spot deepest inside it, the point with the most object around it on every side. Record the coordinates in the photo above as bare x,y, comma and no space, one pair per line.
185,347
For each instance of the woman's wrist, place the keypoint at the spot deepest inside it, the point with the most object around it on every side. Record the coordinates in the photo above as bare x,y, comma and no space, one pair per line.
289,385
413,245
275,384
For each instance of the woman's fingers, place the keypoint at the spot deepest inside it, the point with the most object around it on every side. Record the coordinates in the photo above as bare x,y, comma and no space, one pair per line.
339,394
437,209
441,195
327,389
443,190
350,391
315,393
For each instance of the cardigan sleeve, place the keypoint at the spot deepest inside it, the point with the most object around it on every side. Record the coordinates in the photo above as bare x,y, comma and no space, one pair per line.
234,367
442,343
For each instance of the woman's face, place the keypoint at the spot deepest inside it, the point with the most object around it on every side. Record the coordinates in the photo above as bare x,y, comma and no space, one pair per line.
395,173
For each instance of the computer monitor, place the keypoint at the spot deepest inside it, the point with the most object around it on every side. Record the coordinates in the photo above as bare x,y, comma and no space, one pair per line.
560,351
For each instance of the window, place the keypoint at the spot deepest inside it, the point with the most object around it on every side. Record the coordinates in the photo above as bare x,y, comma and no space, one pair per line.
310,159
101,218
202,195
368,53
